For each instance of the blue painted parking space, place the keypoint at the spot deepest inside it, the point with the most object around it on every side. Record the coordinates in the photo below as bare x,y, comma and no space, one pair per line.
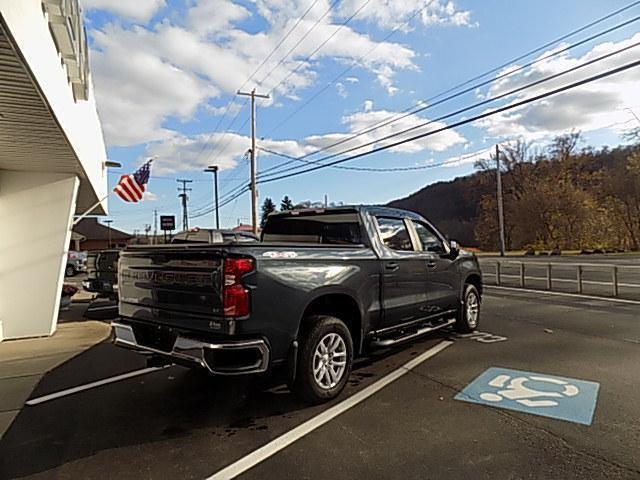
551,396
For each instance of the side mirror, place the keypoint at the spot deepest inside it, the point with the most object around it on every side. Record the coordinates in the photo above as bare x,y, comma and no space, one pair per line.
455,248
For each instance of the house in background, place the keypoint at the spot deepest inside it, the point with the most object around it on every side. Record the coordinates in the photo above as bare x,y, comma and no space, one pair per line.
89,234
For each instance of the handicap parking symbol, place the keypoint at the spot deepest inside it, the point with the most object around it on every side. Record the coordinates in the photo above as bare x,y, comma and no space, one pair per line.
537,393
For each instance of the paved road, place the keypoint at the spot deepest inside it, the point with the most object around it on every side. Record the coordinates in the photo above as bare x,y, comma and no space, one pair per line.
174,423
597,274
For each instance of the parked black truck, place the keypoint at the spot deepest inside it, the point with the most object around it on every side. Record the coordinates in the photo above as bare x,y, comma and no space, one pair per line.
102,265
321,287
102,273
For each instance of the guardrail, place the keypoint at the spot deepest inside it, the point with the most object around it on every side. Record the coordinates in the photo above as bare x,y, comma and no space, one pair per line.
614,272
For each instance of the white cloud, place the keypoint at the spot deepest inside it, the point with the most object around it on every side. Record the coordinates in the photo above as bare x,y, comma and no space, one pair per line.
363,120
590,107
138,90
180,153
400,14
137,10
214,16
150,196
342,90
467,158
145,75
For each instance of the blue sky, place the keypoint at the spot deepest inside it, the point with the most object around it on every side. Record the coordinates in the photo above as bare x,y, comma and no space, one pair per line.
165,71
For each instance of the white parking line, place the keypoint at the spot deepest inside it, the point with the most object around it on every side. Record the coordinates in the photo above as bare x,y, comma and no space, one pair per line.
88,386
564,294
300,431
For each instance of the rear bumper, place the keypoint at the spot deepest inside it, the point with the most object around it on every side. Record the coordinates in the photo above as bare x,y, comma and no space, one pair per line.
237,357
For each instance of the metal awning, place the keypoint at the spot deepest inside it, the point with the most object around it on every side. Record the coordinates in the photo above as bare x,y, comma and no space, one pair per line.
31,138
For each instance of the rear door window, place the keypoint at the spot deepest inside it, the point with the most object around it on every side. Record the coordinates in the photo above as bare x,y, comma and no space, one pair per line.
394,233
329,228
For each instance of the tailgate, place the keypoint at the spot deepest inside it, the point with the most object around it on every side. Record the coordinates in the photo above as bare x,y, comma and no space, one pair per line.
170,285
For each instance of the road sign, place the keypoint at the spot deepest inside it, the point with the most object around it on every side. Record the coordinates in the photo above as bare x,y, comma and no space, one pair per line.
167,222
537,393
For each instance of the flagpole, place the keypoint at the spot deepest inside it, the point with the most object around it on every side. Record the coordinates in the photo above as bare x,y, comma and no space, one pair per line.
87,212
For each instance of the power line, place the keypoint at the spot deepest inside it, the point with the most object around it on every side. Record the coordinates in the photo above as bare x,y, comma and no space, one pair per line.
451,161
425,104
471,107
348,69
282,40
225,202
292,49
210,203
319,47
465,121
266,59
217,147
380,169
280,62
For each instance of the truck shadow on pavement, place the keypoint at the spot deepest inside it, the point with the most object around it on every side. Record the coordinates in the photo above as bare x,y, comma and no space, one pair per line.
174,408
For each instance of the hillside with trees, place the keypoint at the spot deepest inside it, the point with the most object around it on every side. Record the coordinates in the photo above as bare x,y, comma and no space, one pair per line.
558,197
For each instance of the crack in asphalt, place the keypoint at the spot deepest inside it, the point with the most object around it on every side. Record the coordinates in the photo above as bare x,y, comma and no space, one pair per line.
507,414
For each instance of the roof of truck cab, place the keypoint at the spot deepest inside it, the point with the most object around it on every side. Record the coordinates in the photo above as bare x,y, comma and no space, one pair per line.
371,209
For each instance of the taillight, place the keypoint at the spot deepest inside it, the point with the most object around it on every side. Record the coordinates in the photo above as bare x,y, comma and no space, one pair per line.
235,296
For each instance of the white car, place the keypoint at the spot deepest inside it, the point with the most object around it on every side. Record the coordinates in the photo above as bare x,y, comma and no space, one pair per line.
76,263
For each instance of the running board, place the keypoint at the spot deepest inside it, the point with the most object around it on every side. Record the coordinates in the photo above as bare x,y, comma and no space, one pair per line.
421,331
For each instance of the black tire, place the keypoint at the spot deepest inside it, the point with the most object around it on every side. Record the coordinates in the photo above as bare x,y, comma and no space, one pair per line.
69,271
315,330
466,322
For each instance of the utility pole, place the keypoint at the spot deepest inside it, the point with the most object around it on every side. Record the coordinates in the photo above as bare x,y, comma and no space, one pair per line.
326,201
254,191
155,225
500,204
184,198
109,222
214,170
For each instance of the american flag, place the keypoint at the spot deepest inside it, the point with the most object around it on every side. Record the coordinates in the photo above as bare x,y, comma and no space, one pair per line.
130,188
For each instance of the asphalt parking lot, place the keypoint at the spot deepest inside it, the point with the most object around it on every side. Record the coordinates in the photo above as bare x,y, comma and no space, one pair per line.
176,423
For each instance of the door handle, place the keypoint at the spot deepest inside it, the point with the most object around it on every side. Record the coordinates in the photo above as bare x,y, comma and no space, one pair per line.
431,264
392,266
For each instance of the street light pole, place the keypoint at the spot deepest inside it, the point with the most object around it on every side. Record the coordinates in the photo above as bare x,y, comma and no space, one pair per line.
109,222
214,170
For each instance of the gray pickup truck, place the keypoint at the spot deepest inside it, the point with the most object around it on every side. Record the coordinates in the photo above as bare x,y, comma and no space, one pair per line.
322,286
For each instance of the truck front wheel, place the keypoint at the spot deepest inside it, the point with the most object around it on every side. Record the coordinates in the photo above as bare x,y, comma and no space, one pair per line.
469,313
324,360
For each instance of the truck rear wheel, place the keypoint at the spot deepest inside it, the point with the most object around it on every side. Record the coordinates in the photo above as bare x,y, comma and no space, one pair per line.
324,360
469,313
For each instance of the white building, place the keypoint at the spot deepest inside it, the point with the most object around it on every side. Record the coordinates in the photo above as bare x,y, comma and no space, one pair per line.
52,156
